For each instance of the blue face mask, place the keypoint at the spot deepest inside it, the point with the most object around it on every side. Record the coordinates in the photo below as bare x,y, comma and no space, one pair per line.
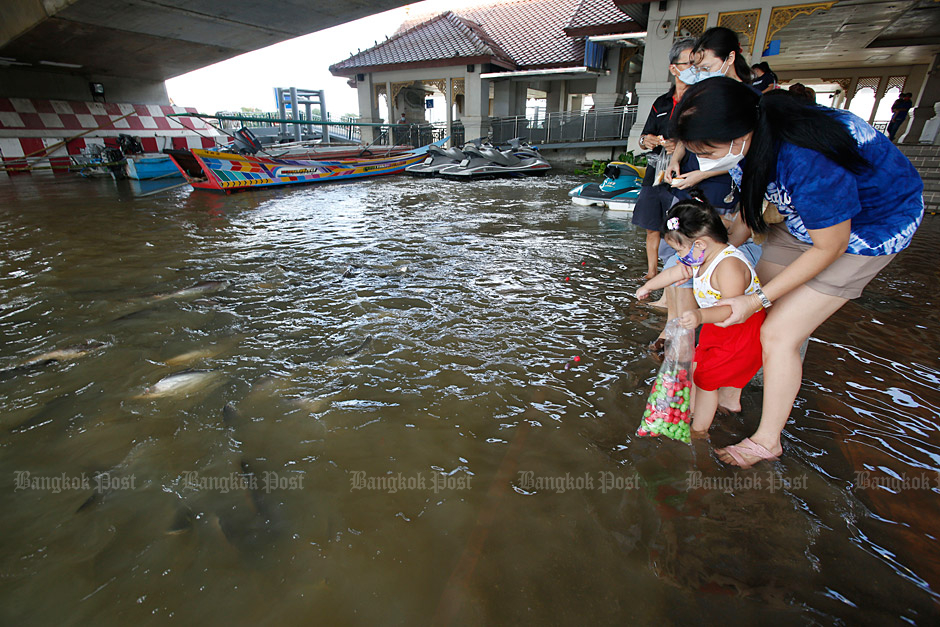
692,75
690,260
689,75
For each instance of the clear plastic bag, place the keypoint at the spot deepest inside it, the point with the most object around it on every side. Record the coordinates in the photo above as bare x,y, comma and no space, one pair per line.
659,162
669,406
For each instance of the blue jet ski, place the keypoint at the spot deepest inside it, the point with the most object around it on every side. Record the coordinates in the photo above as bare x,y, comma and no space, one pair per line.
618,192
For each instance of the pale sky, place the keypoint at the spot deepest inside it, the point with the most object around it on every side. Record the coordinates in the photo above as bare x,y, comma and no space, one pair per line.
249,80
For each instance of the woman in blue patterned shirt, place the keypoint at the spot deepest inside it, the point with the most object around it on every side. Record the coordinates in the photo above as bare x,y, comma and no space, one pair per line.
849,199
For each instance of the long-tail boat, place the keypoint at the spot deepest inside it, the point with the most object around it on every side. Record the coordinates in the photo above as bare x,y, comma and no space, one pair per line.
228,172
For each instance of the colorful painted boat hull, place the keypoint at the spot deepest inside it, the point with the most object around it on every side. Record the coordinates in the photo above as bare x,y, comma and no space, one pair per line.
229,172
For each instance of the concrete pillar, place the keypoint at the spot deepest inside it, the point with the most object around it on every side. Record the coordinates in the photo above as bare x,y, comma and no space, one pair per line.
925,100
606,93
521,90
449,103
503,93
555,97
368,108
850,93
476,120
655,77
879,95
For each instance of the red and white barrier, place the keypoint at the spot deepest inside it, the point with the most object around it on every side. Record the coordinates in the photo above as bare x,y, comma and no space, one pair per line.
31,129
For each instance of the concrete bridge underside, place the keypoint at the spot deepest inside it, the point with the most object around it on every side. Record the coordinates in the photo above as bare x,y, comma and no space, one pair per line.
54,48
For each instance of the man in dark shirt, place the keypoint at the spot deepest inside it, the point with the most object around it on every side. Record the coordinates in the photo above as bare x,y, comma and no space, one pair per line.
899,111
649,212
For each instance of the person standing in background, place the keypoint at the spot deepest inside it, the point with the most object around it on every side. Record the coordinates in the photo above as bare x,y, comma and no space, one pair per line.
899,111
764,78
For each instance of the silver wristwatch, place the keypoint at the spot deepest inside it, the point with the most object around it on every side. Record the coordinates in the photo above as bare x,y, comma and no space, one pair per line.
764,301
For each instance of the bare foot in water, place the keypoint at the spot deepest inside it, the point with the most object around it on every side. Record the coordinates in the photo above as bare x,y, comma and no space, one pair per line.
729,401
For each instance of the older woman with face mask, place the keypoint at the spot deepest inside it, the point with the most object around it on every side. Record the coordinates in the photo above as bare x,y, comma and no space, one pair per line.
717,53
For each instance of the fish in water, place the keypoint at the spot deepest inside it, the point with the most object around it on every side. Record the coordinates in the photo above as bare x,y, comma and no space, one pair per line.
366,343
180,384
199,289
184,359
65,354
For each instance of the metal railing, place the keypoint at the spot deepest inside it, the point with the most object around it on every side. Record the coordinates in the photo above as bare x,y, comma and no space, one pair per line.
424,134
271,121
566,126
401,134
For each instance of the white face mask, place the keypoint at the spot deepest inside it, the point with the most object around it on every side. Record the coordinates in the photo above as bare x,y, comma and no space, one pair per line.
724,163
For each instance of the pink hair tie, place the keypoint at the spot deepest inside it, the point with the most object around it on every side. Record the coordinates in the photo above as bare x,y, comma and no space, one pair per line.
672,224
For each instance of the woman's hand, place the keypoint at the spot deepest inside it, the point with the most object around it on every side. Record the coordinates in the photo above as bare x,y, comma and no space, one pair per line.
672,170
689,179
742,308
642,293
669,145
691,319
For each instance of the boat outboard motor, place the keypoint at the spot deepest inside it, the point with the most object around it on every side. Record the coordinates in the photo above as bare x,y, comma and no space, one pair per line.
130,145
245,142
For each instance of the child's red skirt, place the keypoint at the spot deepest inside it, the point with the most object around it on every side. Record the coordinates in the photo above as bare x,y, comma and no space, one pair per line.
729,356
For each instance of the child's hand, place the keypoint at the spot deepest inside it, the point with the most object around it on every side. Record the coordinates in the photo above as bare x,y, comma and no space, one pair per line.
642,293
691,319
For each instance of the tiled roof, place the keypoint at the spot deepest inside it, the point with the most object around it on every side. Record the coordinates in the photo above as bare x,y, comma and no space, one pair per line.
599,16
531,31
527,34
446,36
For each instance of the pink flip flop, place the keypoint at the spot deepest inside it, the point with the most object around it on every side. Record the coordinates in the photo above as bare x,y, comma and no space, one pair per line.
747,445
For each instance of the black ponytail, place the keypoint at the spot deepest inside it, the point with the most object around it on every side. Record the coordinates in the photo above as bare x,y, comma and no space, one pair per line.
694,218
722,42
719,110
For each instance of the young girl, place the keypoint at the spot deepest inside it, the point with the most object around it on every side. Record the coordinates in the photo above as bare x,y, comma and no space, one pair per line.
724,357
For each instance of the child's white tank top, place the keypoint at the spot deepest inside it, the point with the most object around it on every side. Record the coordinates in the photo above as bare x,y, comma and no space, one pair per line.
705,294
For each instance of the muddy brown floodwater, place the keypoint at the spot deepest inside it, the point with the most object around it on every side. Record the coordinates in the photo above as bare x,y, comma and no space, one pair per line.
368,411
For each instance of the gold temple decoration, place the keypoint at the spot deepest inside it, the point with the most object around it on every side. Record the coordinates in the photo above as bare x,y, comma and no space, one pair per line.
744,23
781,16
440,84
397,87
841,82
458,87
692,25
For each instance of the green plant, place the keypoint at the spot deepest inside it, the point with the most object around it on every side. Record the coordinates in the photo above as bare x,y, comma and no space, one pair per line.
597,166
596,169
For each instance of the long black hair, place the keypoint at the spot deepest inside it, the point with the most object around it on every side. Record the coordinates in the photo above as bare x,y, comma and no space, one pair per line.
692,218
722,42
720,110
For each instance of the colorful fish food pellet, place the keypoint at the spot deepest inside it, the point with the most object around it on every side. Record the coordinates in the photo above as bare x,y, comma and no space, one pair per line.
668,409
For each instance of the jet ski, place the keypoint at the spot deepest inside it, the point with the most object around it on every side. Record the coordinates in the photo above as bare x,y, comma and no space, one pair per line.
618,192
489,162
437,159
